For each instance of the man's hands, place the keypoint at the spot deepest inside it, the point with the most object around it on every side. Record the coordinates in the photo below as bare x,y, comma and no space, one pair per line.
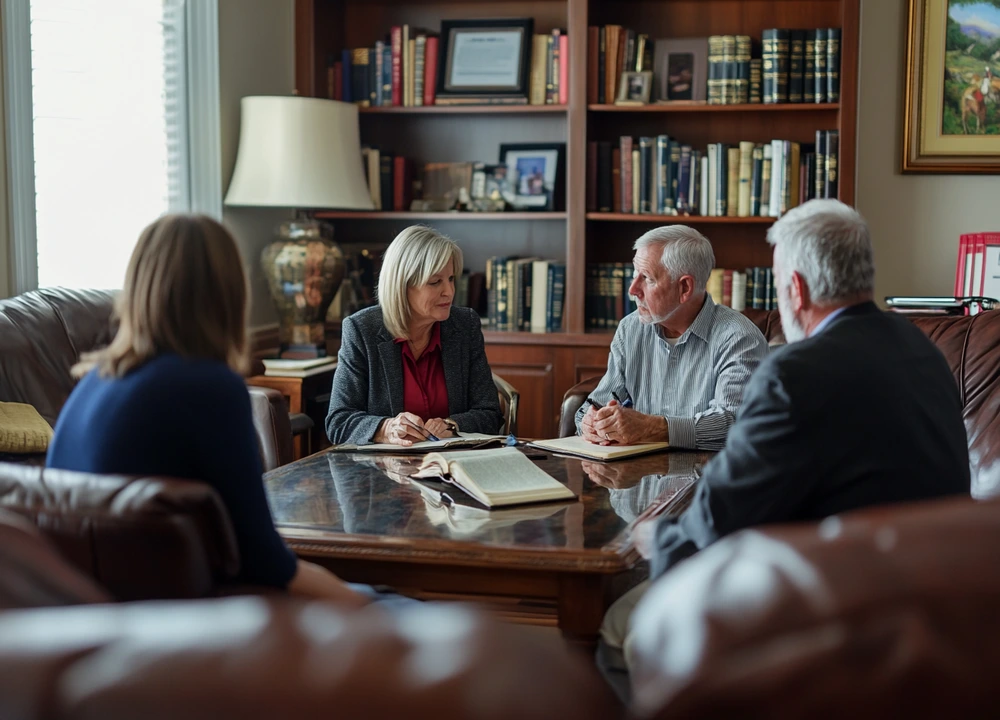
617,425
401,430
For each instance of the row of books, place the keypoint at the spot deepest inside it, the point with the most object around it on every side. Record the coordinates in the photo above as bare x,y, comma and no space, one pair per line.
525,294
403,72
734,76
608,302
801,65
662,176
977,272
613,50
390,179
753,288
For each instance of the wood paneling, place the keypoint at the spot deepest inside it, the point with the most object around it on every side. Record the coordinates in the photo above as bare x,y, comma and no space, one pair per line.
531,370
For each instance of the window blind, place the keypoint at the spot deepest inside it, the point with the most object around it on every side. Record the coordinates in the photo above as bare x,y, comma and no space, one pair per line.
110,131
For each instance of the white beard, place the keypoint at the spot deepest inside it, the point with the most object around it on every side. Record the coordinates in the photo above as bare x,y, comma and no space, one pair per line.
790,325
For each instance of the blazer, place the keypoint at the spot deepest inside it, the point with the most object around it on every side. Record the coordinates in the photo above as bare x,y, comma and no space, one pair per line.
368,384
866,412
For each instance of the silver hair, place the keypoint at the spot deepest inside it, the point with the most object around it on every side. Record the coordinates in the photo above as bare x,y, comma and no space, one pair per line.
828,244
685,252
411,258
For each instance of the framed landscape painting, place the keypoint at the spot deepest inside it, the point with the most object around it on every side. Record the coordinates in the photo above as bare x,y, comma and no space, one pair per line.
952,104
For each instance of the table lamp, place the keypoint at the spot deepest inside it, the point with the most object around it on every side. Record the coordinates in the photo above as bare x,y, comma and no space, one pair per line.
301,153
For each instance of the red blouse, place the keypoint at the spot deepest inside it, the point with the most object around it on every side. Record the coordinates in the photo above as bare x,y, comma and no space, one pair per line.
424,390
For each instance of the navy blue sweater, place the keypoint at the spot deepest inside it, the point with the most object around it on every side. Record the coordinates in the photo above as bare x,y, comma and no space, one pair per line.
179,418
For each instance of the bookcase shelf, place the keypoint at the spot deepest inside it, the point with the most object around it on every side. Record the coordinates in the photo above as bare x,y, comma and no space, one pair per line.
466,110
706,108
678,219
454,216
544,366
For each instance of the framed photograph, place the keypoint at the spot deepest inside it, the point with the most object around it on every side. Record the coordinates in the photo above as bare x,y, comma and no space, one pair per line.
535,175
635,88
680,68
485,58
951,119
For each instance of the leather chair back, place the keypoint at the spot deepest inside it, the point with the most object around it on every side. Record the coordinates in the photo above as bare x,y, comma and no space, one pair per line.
42,335
509,399
33,575
884,612
139,537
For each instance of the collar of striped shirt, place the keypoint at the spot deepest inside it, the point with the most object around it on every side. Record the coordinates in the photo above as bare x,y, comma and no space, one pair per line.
702,325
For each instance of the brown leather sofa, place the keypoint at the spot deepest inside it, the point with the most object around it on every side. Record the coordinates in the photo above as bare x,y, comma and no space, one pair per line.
44,332
62,657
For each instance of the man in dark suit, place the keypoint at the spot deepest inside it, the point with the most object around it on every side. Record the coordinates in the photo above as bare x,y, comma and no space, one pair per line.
859,409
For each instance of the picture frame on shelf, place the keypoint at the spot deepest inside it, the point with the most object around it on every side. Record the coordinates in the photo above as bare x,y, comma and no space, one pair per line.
680,68
951,122
635,88
485,61
536,174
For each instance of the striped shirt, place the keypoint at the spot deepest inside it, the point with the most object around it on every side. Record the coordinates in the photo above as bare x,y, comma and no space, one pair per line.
696,384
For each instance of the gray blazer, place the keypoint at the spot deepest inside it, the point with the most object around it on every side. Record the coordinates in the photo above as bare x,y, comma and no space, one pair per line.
368,384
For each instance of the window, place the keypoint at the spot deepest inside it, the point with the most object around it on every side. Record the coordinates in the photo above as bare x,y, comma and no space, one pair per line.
107,141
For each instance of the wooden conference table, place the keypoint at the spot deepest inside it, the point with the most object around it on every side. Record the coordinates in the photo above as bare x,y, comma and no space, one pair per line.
554,564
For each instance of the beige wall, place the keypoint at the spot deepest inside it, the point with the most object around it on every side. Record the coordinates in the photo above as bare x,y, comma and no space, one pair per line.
915,219
256,57
6,269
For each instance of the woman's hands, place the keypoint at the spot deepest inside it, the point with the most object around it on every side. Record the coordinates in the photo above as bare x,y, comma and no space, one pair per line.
439,428
404,429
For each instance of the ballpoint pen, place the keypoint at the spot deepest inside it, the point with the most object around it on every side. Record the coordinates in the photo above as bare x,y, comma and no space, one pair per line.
626,403
424,431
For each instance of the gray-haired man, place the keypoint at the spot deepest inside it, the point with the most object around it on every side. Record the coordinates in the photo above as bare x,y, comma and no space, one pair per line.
678,364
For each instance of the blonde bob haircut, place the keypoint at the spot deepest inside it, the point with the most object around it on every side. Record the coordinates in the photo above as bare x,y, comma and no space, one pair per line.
185,292
411,259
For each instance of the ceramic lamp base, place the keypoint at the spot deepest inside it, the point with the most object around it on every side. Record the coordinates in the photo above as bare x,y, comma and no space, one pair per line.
304,269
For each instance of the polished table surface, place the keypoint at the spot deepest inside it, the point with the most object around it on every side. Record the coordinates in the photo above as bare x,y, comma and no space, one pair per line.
346,504
556,563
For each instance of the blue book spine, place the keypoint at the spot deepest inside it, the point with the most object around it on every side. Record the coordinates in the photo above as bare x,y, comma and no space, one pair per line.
684,182
554,301
661,186
387,77
345,59
379,60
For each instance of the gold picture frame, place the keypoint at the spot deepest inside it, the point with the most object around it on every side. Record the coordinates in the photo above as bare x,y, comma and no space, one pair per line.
951,112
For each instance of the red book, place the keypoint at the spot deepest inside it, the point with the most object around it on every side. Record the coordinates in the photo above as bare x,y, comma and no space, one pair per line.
430,69
396,38
625,145
727,288
338,80
616,180
564,69
402,184
592,176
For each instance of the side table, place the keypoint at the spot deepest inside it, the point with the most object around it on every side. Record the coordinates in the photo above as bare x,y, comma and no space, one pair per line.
309,395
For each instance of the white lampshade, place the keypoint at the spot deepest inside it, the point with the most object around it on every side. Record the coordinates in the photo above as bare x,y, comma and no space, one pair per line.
299,152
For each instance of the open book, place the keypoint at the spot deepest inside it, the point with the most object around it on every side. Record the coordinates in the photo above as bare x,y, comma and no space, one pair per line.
495,477
466,440
577,446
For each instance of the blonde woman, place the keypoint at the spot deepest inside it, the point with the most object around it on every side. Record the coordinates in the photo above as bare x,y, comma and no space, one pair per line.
166,397
413,366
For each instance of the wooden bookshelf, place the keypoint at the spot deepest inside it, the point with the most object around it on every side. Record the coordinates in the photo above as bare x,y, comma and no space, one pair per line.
465,110
440,216
678,219
542,366
681,107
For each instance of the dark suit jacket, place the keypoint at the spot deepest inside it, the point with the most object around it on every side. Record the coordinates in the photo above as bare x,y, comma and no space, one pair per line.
866,412
368,384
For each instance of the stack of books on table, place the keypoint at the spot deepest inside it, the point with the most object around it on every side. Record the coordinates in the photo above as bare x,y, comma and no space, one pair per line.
274,367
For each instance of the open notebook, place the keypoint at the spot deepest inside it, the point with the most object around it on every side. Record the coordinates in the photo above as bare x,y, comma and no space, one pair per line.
578,447
466,440
495,477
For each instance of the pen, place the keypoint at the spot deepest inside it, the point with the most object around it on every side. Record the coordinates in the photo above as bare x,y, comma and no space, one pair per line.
423,431
593,404
627,402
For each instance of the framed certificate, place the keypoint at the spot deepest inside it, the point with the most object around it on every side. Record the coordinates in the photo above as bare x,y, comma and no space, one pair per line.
485,58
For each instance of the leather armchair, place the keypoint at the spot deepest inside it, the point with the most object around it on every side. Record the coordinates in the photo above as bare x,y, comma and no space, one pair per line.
885,612
43,333
254,657
138,537
509,400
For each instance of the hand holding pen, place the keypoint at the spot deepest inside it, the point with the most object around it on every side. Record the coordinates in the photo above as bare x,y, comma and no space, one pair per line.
404,430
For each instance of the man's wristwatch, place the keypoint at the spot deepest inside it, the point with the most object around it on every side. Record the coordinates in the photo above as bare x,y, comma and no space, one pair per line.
452,425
